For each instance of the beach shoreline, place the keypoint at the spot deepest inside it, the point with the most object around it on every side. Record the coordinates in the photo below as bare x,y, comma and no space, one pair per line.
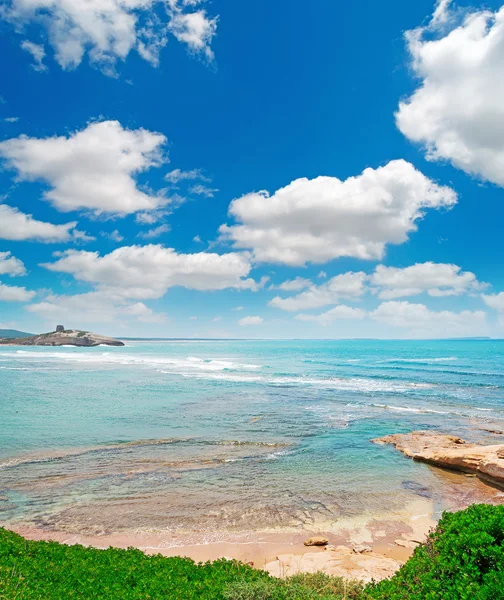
392,537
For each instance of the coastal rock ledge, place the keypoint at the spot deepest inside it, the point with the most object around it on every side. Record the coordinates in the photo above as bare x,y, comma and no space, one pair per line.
451,452
63,337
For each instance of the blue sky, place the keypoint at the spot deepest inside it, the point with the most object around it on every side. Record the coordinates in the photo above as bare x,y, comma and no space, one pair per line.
160,148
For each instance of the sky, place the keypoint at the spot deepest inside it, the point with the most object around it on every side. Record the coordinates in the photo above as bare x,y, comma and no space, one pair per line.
192,168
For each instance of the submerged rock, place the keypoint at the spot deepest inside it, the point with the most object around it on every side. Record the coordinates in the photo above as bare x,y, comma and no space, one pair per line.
451,452
66,337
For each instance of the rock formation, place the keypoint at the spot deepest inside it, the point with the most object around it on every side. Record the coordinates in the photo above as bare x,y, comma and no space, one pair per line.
65,337
448,451
339,561
316,540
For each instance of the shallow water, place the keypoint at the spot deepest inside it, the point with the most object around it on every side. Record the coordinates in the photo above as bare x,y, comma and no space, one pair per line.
202,435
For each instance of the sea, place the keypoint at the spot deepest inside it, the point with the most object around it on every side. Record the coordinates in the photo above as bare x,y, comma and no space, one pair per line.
219,435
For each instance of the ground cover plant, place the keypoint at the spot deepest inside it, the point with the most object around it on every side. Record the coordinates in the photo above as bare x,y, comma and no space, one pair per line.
463,559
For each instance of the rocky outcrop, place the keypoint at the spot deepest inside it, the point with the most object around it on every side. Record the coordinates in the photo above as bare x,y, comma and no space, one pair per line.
316,540
67,337
451,452
338,561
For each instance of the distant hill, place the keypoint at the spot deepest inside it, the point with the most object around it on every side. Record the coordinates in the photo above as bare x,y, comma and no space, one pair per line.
13,333
61,337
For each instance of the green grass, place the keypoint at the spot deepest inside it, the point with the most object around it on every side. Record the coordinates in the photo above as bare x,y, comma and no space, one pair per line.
463,559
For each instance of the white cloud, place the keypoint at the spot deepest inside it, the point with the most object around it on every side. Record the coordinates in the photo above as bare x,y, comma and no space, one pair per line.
115,235
238,308
10,265
196,30
334,314
347,285
441,13
91,169
203,190
91,308
38,53
197,239
108,30
177,175
322,275
151,217
495,301
10,293
11,119
216,319
420,321
324,218
145,272
433,278
250,321
457,112
17,226
293,285
155,232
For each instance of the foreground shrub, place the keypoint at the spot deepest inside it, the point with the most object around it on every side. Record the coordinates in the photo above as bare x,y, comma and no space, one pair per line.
52,571
305,586
463,559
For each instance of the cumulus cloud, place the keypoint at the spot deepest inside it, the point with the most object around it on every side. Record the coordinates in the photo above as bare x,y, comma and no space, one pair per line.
10,265
420,321
91,169
93,307
38,53
10,293
146,272
17,226
177,175
435,279
347,285
203,190
115,235
154,232
250,321
340,312
108,30
324,218
293,285
457,112
495,301
196,30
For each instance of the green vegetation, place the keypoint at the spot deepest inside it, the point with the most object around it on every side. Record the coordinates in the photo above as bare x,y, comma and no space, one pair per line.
305,586
463,559
13,334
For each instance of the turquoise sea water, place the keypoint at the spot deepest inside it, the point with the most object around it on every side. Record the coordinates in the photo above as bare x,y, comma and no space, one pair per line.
234,435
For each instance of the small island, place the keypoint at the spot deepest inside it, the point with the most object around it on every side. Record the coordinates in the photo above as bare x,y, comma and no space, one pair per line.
63,337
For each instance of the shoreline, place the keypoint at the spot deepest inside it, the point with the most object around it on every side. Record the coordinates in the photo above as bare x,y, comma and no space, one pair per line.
367,546
380,539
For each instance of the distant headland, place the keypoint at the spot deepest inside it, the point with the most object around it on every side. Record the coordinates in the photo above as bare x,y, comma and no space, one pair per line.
62,337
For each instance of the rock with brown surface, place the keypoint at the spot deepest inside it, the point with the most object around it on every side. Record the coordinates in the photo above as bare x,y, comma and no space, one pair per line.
340,562
448,451
316,540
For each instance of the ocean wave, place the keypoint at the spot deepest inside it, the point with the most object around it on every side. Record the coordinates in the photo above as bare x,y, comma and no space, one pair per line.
109,358
420,360
340,383
413,410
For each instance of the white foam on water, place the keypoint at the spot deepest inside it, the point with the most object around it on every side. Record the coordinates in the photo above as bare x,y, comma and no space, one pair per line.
413,410
420,360
111,358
